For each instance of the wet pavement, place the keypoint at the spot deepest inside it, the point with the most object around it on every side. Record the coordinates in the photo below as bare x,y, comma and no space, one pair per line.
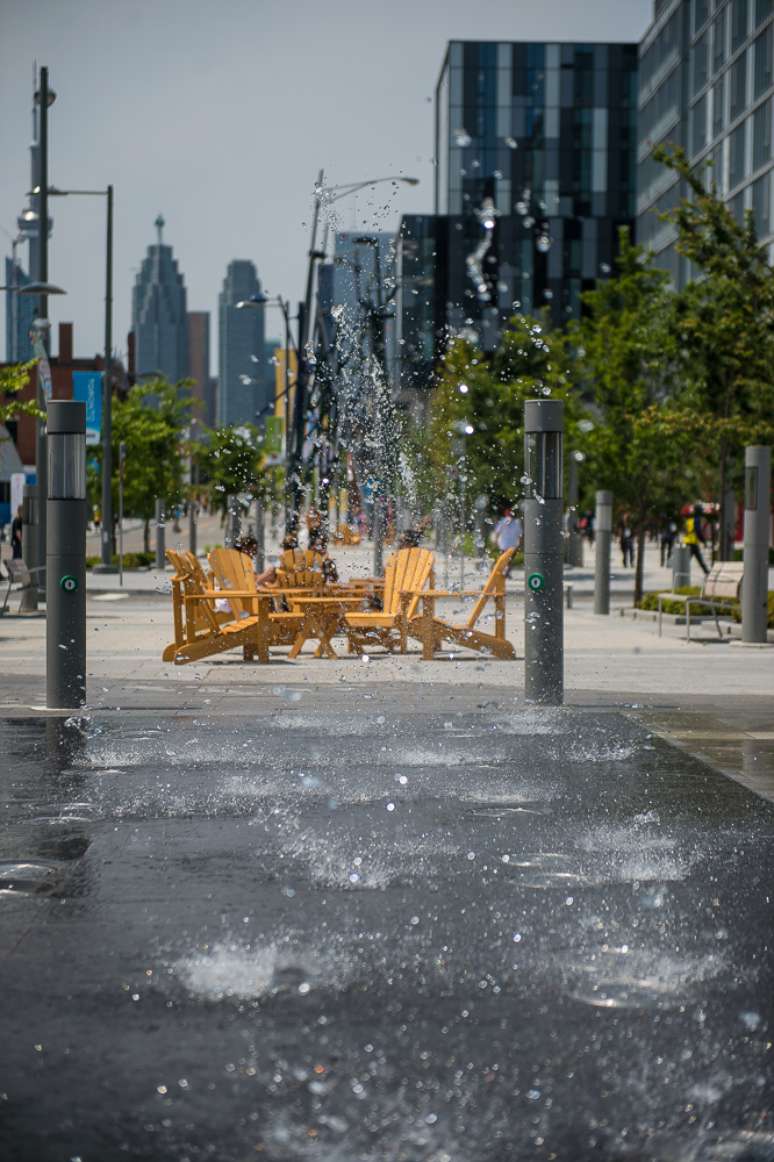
377,926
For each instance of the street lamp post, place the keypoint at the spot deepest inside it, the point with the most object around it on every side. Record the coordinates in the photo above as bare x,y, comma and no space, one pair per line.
106,546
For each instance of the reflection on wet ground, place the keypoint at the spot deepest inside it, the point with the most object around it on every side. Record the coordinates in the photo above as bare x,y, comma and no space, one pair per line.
375,933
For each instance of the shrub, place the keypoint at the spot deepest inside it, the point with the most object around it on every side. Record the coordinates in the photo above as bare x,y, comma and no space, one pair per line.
139,560
649,601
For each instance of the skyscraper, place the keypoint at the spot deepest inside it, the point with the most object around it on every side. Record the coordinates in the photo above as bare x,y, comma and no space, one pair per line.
706,83
245,379
536,158
159,318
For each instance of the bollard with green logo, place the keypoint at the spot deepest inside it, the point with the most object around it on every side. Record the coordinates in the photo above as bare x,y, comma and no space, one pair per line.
543,552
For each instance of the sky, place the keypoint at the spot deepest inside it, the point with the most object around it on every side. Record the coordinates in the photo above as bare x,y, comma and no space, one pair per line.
219,115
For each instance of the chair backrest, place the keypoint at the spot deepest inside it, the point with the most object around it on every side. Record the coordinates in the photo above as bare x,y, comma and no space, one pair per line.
724,580
233,570
196,617
408,570
495,584
18,573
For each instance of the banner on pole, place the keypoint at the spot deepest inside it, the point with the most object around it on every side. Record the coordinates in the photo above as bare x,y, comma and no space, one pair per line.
87,387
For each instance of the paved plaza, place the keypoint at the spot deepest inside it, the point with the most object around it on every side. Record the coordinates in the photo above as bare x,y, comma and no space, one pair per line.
363,910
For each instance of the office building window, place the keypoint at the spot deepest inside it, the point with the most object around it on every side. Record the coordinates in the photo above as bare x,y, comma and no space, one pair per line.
700,63
763,8
762,54
739,23
736,162
718,106
719,41
699,126
761,205
738,86
762,135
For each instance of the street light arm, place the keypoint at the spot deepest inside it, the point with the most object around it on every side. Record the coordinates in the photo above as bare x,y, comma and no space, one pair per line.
341,191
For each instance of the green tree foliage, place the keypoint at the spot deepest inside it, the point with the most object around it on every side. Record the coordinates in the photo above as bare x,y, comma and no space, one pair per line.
230,460
477,420
13,379
151,422
725,321
642,445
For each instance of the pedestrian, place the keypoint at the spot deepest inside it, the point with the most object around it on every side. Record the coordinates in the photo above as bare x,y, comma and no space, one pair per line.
693,534
626,540
508,534
667,540
16,535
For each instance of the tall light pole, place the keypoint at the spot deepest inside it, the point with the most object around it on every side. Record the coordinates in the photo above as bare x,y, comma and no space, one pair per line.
106,547
44,97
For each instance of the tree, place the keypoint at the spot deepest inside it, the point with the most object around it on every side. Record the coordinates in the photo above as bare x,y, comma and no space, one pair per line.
725,321
477,414
150,422
640,446
13,379
230,460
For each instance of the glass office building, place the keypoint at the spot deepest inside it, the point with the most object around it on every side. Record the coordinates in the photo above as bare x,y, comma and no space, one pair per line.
705,83
535,149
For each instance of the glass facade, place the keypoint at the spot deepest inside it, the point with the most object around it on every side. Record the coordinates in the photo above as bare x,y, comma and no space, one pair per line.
706,84
419,301
535,149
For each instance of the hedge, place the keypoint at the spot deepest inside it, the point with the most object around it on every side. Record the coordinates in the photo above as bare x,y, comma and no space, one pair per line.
131,560
649,601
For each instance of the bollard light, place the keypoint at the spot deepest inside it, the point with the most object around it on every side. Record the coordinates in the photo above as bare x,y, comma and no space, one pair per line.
757,524
543,564
603,530
66,554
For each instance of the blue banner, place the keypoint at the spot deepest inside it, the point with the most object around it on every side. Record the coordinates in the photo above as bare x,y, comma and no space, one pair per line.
87,386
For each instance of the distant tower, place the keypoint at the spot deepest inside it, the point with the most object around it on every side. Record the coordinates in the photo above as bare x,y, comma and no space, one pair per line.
159,319
246,382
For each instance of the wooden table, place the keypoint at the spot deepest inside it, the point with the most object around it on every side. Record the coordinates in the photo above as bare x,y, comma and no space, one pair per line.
323,617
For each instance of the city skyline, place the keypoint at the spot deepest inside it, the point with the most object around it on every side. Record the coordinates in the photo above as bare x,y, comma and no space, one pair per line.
182,145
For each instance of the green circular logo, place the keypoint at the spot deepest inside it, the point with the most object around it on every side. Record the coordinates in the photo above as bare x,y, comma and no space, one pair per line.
69,583
536,582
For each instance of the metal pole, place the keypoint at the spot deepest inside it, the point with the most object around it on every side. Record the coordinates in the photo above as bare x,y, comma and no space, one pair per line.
543,510
30,518
107,565
574,540
66,572
378,533
40,443
160,535
260,535
121,461
603,534
757,520
192,525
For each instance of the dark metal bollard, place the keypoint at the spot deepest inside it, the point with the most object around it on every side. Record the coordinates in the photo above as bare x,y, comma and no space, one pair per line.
543,570
66,555
161,559
603,532
757,517
681,566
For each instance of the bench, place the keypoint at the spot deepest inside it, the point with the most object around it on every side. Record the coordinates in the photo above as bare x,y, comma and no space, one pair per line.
18,575
722,587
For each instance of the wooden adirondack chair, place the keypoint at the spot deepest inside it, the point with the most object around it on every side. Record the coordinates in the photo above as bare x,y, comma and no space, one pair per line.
199,629
407,573
301,569
234,573
432,630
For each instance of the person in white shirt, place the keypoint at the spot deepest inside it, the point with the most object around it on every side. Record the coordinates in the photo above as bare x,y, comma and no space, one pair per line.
508,532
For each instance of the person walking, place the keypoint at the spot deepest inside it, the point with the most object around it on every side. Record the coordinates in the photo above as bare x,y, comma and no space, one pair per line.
626,540
508,533
16,535
693,534
667,540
